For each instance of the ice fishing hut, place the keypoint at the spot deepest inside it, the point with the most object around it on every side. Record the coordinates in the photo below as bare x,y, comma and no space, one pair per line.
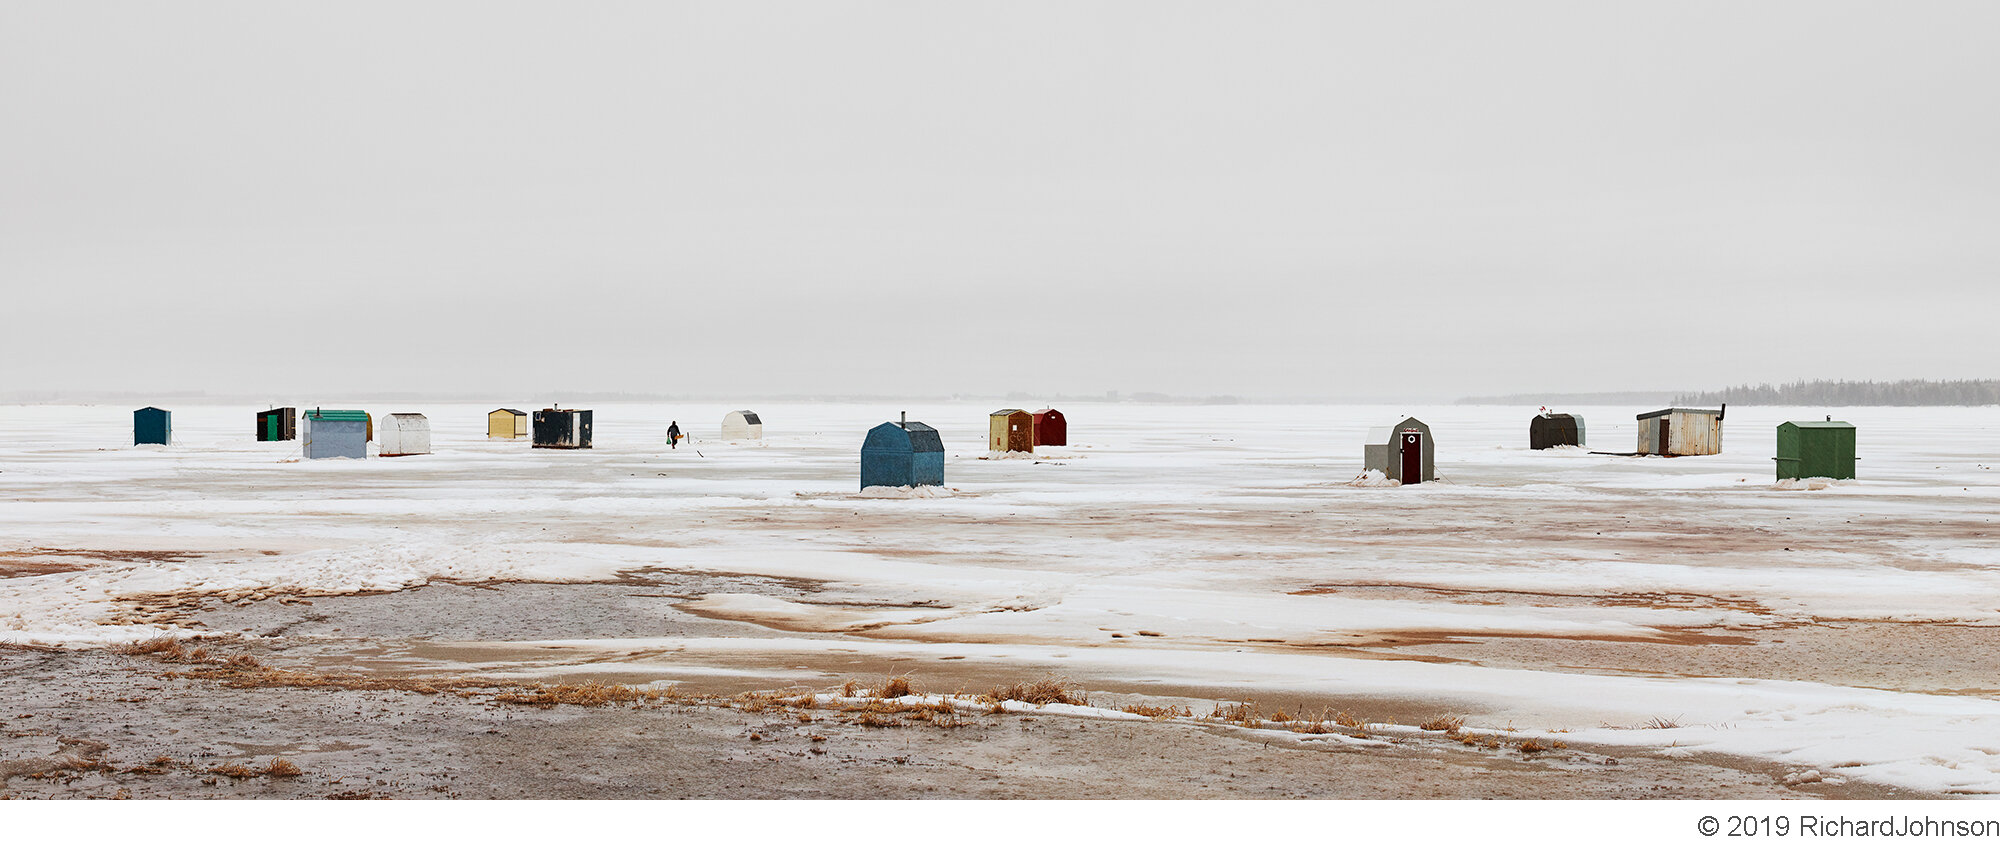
1403,452
1051,428
152,426
742,426
1010,430
506,423
1549,429
1681,431
405,434
278,424
902,454
1815,449
562,428
334,433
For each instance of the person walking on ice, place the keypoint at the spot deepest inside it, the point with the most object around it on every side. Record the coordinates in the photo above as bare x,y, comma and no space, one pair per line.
674,434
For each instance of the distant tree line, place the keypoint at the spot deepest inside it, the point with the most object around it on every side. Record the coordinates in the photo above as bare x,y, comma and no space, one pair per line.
1824,392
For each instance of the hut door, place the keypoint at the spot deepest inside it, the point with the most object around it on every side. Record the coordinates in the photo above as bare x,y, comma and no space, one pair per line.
1413,457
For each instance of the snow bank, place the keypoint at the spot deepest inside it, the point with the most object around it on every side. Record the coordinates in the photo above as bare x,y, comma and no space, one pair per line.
906,492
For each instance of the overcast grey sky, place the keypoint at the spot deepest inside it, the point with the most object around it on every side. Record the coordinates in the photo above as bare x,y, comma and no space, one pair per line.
1367,199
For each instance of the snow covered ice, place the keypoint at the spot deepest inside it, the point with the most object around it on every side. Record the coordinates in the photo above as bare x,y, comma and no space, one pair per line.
1841,629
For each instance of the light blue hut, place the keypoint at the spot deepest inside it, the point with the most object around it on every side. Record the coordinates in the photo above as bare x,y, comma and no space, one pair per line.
152,426
902,454
331,433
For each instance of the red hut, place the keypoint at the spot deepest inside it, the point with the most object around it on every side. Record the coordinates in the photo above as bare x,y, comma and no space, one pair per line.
1050,428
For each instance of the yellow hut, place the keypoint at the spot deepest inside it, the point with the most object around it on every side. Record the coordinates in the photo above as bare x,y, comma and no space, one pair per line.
1010,430
506,423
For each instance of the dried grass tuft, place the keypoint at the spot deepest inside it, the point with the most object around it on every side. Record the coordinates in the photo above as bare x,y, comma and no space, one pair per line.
1158,712
896,686
282,768
1050,690
1240,713
164,646
1445,723
588,694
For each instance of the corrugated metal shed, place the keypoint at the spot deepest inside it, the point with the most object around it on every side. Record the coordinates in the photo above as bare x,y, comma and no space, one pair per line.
905,454
1681,431
334,433
506,423
562,428
742,426
1010,430
1051,428
1386,445
1814,449
1554,430
278,424
405,434
152,426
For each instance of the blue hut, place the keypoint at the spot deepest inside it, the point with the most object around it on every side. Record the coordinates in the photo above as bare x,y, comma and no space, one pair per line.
902,454
152,426
331,433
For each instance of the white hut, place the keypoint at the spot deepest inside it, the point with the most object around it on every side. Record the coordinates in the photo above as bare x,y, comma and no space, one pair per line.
404,434
742,426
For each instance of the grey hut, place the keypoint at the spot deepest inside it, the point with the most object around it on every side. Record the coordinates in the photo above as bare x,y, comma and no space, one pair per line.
1674,432
742,426
1404,452
1554,430
904,454
562,428
334,433
278,424
152,426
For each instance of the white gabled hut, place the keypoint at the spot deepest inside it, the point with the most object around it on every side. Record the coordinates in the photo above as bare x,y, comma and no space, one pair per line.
742,426
404,434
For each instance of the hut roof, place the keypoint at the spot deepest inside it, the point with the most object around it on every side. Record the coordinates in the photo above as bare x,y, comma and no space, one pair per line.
337,414
1819,424
514,411
1666,411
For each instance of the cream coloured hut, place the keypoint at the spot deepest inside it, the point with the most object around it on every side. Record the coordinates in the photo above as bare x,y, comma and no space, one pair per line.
506,423
742,426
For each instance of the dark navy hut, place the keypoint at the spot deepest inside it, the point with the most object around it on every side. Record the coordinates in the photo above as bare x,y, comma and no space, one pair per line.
562,428
904,454
152,426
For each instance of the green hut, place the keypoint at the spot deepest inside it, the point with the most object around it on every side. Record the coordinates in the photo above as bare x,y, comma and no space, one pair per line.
1815,449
